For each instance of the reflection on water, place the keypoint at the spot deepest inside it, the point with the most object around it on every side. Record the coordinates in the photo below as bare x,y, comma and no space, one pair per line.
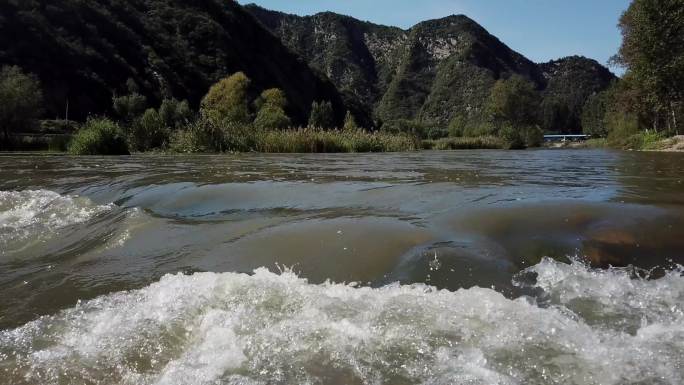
77,228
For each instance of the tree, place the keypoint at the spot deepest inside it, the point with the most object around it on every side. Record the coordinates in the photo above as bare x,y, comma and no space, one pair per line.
594,114
271,115
147,132
350,122
513,106
274,97
227,99
175,114
21,100
514,101
652,51
322,115
457,126
129,107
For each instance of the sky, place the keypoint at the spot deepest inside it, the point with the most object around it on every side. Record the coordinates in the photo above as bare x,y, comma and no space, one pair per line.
542,30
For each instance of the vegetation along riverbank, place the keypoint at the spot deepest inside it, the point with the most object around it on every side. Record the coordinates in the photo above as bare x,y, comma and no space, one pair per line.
259,80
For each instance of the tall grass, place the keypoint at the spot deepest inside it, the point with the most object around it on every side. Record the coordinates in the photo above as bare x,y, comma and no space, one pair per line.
210,137
642,140
465,143
315,140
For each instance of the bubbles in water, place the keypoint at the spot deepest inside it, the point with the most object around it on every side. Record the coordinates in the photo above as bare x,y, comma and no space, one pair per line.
36,214
435,264
263,328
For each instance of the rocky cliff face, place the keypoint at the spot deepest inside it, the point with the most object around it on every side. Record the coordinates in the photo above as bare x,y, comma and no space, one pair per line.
433,72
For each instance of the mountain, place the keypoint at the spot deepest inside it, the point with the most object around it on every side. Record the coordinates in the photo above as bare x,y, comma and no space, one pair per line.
569,82
434,72
85,51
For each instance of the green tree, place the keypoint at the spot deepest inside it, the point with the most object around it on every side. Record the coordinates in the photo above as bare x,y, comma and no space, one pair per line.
513,105
20,100
652,51
322,115
129,107
227,99
514,101
271,115
350,122
274,97
594,121
148,132
512,137
175,114
457,126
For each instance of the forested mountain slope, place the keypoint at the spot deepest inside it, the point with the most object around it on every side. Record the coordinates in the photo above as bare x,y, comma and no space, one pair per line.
85,51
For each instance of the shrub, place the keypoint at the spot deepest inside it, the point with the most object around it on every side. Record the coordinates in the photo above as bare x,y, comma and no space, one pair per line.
273,96
21,101
99,137
322,115
271,113
271,117
478,129
148,132
623,130
457,126
532,136
512,138
350,122
403,126
58,126
436,132
206,135
129,107
175,114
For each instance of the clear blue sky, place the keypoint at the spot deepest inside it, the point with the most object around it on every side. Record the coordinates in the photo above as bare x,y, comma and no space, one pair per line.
542,30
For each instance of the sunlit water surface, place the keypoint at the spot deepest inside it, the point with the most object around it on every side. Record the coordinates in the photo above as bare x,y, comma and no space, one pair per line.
469,267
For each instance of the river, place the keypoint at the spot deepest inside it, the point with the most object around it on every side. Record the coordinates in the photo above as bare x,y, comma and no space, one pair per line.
466,267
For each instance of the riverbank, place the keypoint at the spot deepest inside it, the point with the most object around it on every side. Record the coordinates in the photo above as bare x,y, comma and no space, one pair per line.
673,144
639,142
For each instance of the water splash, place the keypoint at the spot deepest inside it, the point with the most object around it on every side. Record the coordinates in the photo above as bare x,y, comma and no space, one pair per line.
37,214
271,328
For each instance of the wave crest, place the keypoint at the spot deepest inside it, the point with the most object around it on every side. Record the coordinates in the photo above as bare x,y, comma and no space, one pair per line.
38,213
230,328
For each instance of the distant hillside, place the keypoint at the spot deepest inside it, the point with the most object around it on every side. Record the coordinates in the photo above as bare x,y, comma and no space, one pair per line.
85,51
569,82
433,72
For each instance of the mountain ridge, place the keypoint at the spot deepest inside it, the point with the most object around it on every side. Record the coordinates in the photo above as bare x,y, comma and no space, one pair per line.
436,71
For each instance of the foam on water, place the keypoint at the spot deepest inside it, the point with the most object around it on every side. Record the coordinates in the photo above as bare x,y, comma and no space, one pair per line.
39,213
269,328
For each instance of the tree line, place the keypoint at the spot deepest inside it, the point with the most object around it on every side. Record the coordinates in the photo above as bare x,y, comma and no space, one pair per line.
647,101
645,104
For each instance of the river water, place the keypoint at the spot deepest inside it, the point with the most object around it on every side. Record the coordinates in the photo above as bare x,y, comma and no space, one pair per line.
468,267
